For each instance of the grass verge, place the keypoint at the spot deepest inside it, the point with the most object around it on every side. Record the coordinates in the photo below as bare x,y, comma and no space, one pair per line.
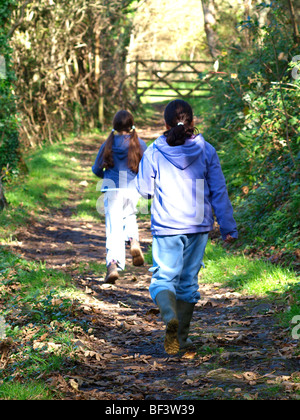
39,325
39,307
52,172
253,277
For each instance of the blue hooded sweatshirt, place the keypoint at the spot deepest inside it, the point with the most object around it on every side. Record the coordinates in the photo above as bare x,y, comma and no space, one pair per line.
120,176
187,184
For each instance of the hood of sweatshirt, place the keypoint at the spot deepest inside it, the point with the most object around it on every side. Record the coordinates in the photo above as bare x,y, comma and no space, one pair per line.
184,155
120,146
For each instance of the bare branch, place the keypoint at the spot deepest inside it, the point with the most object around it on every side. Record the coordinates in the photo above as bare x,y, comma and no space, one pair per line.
20,19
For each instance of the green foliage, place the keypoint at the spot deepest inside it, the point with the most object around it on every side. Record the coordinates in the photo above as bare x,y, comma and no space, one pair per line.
255,128
8,122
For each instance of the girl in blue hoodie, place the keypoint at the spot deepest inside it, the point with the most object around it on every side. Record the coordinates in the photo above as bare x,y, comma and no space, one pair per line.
117,163
182,173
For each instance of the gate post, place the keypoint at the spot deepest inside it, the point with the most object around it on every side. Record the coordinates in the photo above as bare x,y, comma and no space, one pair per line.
136,78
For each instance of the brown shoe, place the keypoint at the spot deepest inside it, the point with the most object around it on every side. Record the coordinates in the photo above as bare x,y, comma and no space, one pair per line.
112,273
136,253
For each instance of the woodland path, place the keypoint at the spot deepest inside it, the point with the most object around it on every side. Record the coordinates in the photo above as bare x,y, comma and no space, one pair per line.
238,353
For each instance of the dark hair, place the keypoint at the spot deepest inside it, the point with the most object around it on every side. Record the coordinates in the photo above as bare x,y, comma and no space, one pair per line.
179,111
123,121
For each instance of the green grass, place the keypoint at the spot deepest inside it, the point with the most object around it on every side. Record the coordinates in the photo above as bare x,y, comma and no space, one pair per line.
86,208
256,277
251,276
40,309
90,267
32,275
48,185
30,391
167,95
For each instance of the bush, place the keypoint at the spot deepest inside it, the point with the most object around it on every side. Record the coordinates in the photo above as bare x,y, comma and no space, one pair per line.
70,64
255,128
8,121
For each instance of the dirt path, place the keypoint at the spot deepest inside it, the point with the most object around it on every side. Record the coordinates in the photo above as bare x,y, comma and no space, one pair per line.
238,351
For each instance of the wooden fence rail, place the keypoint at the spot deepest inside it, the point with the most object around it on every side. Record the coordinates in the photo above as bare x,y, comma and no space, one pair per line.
170,78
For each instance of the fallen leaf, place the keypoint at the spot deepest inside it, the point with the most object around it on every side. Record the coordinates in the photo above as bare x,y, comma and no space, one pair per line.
250,376
189,355
153,311
73,384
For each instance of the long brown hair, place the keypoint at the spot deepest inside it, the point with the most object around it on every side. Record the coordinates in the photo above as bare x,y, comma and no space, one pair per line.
123,122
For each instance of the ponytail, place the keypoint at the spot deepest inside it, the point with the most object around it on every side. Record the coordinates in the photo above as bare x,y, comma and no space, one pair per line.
176,136
179,118
108,160
134,152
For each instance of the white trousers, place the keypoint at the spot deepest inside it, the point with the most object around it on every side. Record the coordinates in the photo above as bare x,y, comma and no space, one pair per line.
120,222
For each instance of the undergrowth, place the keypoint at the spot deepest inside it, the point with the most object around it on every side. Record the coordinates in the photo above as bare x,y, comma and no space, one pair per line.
254,126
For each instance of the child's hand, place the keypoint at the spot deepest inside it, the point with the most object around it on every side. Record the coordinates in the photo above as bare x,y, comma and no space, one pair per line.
229,239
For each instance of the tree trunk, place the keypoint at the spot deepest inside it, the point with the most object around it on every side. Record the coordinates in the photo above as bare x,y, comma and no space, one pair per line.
98,69
294,22
263,14
247,13
3,202
209,13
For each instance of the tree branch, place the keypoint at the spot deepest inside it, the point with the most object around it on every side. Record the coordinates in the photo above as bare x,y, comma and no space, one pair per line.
21,18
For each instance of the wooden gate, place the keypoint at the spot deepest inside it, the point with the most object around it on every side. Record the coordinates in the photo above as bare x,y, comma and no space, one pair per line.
170,78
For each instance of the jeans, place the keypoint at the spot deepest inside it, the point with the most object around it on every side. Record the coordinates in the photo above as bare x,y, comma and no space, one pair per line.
177,260
120,223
